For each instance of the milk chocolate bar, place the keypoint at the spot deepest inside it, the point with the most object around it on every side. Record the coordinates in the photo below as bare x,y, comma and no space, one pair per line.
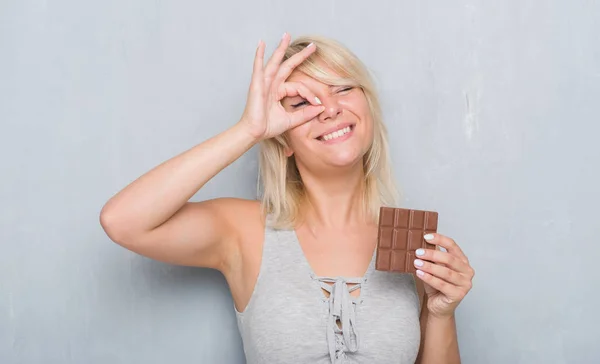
401,232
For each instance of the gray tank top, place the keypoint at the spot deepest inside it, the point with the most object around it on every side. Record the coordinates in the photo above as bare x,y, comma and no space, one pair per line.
289,320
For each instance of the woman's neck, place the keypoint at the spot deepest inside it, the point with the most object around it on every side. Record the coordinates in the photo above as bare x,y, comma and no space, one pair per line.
336,202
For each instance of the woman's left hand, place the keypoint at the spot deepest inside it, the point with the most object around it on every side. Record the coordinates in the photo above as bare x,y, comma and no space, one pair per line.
447,275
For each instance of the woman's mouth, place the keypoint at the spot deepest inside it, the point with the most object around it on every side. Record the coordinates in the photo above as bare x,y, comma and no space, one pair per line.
338,135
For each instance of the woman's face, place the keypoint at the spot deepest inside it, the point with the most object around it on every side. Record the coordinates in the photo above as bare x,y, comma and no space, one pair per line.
339,136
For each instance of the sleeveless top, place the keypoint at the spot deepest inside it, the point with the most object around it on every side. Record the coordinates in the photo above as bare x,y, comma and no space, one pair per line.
290,320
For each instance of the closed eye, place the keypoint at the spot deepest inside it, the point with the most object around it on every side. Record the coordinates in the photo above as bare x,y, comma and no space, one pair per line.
302,103
348,88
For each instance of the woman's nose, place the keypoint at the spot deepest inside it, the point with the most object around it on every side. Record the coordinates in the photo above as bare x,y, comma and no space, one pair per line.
331,112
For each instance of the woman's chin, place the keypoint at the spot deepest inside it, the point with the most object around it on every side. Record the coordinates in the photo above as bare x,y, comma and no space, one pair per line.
341,160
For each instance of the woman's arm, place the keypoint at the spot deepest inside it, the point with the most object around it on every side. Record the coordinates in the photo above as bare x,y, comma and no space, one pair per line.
447,278
152,216
439,341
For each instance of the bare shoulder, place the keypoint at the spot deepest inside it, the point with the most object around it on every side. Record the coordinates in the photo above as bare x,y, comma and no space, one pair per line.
241,264
246,222
240,214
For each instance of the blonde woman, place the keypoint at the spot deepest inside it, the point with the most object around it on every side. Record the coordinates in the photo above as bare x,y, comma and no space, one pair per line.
300,262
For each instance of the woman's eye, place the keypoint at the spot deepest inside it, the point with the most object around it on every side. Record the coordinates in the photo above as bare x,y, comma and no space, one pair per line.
302,103
345,89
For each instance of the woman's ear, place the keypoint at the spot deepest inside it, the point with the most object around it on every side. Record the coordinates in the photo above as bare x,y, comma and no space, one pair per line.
288,152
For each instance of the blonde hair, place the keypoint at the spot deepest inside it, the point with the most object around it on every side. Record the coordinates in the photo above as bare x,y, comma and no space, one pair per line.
282,187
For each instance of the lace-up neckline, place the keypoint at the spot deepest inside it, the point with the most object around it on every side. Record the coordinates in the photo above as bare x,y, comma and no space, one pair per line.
342,334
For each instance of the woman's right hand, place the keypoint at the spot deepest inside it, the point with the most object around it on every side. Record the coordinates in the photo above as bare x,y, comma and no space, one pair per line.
264,116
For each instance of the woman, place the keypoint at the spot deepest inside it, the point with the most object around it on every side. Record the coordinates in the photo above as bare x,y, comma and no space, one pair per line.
299,263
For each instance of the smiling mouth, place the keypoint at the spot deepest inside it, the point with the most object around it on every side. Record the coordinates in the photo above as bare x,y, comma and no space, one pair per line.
336,134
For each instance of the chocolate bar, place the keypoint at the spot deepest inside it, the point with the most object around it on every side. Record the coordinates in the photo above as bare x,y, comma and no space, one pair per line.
401,232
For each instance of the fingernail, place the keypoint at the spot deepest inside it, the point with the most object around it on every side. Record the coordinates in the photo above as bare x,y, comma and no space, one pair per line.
428,237
420,273
420,252
318,101
418,262
283,36
310,45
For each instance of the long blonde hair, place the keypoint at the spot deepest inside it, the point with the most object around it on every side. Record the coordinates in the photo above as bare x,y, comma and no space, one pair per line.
282,187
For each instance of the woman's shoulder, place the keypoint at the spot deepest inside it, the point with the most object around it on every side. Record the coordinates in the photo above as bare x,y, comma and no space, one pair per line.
236,202
244,216
239,211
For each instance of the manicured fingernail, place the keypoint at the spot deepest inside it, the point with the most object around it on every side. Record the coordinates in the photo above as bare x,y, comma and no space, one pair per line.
428,237
420,273
310,45
418,262
420,252
318,101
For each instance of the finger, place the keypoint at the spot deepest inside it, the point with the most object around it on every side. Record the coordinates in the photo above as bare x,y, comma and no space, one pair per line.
447,243
452,292
293,89
304,115
294,61
445,273
275,60
449,260
257,69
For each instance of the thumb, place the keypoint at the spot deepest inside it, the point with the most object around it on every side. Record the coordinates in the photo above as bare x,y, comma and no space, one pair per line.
305,114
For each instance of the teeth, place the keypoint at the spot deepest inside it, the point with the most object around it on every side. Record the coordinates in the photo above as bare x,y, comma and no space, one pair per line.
337,134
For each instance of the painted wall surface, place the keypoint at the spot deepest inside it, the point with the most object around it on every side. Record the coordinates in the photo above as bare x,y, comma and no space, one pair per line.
492,109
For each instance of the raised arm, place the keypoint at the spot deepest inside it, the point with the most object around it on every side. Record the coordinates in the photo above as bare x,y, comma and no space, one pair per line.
152,215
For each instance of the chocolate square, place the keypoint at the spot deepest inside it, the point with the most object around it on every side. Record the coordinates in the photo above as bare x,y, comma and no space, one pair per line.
401,232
